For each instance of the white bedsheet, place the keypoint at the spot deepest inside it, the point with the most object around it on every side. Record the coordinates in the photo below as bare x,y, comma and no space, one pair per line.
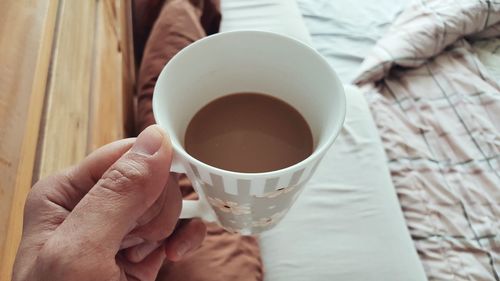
347,225
344,31
488,52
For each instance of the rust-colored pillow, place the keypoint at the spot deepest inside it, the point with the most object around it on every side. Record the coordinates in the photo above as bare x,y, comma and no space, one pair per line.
222,256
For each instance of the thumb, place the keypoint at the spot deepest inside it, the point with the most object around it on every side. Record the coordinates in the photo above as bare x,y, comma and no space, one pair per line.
125,192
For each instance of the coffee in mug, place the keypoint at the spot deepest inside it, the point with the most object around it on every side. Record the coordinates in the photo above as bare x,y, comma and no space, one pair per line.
248,133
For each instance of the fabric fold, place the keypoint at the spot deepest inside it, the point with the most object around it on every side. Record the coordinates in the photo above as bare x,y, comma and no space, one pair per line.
427,28
438,113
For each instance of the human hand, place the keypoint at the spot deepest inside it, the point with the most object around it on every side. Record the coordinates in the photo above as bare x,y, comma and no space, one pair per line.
114,216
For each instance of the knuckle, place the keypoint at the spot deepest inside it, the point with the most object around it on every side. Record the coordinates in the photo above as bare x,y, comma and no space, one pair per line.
32,201
150,215
125,175
59,259
157,232
37,195
51,256
40,188
165,232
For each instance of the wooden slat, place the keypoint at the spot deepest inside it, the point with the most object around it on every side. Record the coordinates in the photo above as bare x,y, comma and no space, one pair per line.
65,131
26,29
82,97
107,118
128,67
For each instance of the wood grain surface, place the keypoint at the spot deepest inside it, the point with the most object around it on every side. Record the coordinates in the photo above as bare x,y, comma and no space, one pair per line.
65,129
105,97
62,94
26,31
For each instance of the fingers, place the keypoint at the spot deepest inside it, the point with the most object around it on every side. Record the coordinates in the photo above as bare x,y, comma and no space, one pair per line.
186,238
144,261
147,269
68,187
141,251
123,194
56,195
162,224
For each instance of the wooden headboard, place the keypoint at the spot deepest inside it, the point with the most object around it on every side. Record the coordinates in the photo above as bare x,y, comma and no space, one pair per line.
67,78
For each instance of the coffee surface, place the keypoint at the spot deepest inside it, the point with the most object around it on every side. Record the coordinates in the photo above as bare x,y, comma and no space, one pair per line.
250,133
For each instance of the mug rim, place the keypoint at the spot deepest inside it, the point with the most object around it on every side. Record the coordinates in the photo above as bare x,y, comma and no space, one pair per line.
317,152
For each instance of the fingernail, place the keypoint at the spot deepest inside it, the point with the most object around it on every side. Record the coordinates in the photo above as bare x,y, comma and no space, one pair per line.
149,141
131,241
183,248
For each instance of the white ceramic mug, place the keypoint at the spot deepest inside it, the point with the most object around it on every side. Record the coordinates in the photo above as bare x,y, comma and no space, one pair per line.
247,61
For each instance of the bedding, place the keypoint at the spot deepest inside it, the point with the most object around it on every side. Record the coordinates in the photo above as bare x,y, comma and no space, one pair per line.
357,218
345,31
437,109
488,52
347,224
343,221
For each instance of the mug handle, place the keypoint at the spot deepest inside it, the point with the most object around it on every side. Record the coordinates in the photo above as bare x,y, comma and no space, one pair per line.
191,208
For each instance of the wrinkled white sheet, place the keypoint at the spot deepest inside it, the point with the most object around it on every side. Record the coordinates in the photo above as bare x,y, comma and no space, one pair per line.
345,31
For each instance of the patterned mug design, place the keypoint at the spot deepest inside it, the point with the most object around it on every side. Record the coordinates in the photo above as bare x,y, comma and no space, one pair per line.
268,221
250,213
278,192
229,206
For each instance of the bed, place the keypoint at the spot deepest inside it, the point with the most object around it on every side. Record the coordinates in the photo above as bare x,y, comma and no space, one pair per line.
345,220
348,223
410,189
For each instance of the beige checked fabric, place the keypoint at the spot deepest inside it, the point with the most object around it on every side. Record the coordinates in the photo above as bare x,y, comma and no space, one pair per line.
438,113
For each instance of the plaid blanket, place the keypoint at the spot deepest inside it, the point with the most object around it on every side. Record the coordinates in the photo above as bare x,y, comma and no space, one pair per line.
438,113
